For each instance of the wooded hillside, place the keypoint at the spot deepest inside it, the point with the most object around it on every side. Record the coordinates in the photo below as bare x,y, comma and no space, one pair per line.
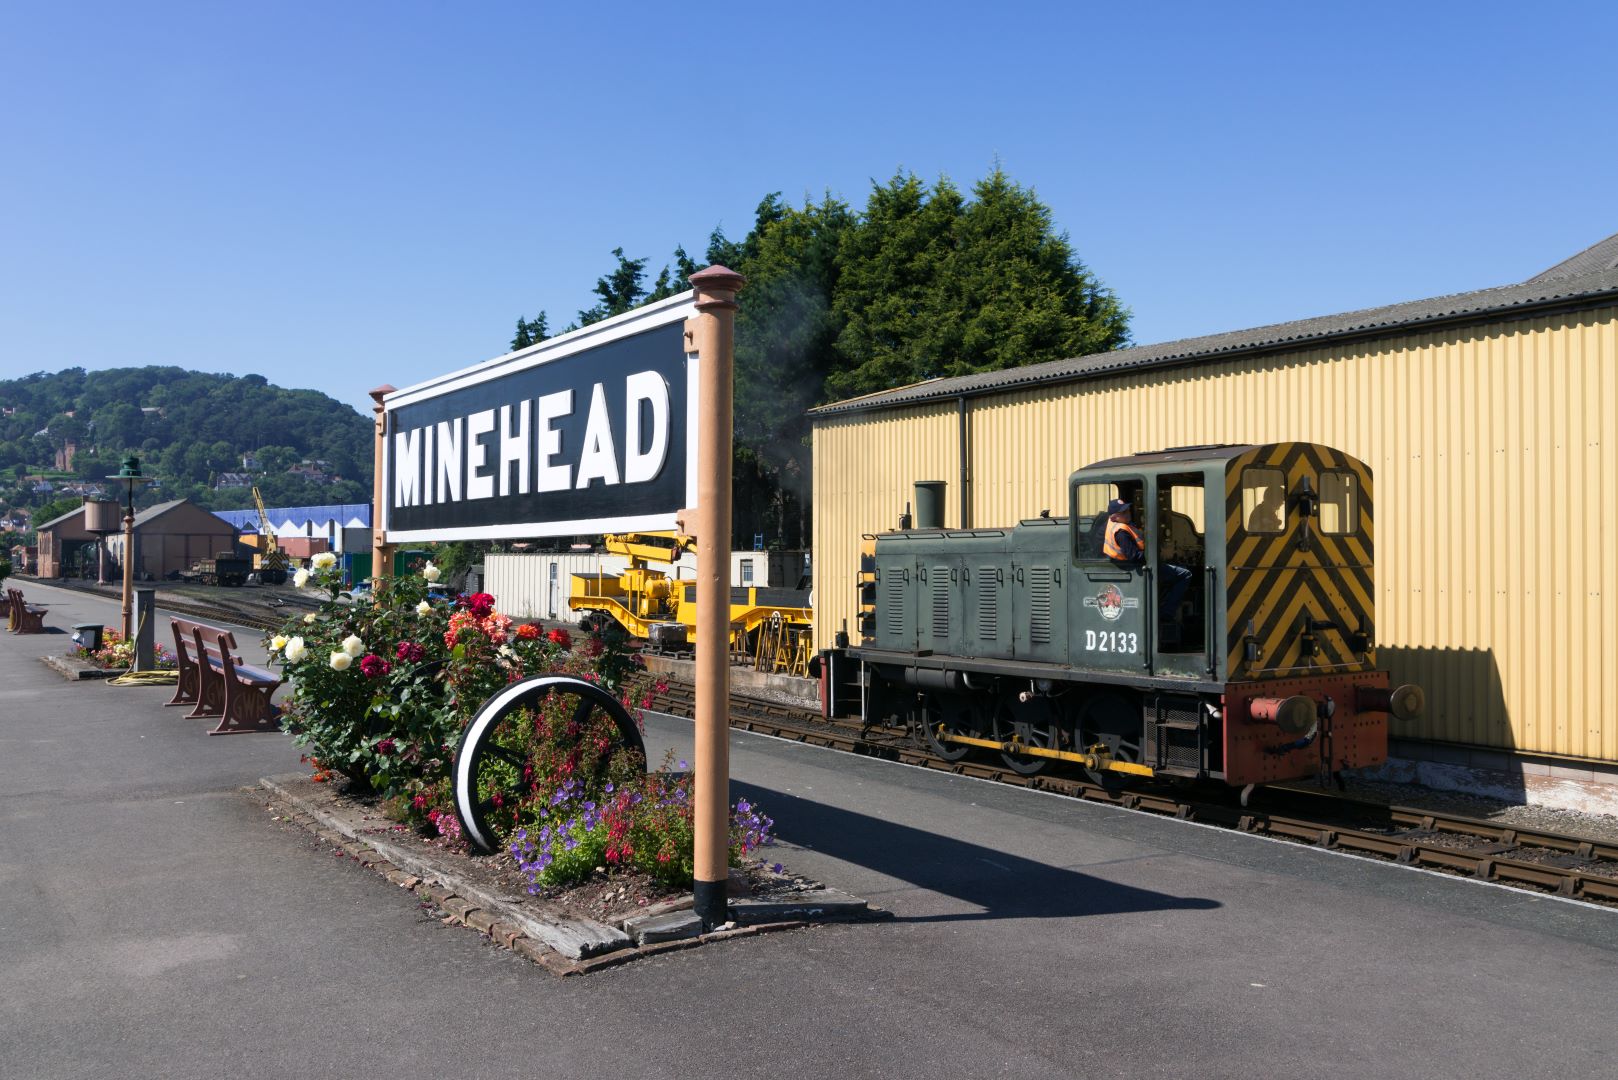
205,437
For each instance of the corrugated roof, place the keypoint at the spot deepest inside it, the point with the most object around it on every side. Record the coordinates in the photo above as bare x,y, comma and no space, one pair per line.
1508,301
298,516
1592,260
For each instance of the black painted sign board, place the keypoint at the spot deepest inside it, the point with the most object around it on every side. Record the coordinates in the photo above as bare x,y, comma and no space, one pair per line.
587,433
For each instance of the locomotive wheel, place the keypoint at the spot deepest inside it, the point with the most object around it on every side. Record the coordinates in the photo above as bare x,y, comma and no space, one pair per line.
491,772
1045,733
1114,721
929,716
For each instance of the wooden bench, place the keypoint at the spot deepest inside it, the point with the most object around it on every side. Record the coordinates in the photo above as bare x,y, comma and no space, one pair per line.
215,682
25,618
188,684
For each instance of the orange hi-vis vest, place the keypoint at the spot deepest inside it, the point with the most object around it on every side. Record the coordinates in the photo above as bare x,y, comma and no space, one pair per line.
1109,546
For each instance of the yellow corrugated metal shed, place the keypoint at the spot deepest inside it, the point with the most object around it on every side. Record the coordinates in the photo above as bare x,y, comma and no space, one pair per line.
1489,419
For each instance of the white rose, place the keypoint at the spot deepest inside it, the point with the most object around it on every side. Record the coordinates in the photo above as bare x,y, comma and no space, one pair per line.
423,608
309,619
353,646
277,643
324,560
295,650
300,579
430,572
341,660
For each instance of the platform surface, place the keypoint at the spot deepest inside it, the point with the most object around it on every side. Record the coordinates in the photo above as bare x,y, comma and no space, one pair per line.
155,923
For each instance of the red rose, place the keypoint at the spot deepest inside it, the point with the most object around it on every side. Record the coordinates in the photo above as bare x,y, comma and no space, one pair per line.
374,667
560,637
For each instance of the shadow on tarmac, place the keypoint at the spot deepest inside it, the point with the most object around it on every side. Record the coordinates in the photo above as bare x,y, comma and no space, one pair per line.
1003,886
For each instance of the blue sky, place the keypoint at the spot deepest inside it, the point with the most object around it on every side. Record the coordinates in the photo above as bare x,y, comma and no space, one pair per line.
338,196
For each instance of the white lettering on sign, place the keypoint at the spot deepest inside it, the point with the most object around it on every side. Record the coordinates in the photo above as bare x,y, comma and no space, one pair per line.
407,448
649,387
479,424
514,449
599,461
451,460
548,477
457,460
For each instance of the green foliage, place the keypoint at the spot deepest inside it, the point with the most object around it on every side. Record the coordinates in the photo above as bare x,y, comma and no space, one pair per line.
55,509
924,282
934,285
620,290
187,427
530,331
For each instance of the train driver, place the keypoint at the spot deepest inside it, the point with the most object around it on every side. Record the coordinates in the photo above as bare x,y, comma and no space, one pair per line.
1123,544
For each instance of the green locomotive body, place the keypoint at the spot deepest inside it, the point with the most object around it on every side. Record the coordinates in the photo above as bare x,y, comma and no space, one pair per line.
1238,645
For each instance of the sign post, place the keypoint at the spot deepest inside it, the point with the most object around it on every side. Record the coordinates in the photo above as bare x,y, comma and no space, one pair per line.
712,333
381,550
622,426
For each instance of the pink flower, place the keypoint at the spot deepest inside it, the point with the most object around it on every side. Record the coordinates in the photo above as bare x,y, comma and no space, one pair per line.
410,652
385,747
374,667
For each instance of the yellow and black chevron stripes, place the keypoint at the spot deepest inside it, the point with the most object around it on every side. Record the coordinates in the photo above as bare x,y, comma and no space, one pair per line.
1280,595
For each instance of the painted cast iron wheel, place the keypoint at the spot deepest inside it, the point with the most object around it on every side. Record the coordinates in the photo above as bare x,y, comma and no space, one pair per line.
488,772
929,715
1046,734
1114,721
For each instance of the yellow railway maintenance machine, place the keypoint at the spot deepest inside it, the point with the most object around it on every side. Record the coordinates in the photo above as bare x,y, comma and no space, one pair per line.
769,627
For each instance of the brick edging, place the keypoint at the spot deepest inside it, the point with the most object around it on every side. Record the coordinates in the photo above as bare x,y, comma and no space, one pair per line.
480,914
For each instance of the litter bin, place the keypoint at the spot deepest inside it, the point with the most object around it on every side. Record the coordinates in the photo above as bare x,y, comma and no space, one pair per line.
87,635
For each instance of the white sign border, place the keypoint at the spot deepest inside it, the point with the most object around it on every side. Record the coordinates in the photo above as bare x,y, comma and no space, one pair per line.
674,309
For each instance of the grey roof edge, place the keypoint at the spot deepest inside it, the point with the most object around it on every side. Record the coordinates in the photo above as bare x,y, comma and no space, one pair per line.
1602,255
1509,301
58,519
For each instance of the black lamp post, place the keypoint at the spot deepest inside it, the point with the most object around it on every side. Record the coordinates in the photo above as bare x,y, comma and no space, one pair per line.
129,475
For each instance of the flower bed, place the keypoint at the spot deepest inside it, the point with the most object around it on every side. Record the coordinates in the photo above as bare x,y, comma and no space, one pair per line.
118,654
380,691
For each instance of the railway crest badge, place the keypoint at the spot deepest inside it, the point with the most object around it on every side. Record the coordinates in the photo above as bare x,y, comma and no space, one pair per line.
1111,603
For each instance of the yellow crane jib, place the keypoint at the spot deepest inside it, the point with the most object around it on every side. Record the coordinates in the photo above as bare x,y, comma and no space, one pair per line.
270,561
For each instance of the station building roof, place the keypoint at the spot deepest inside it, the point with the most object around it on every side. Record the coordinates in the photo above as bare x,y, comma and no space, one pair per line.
1587,278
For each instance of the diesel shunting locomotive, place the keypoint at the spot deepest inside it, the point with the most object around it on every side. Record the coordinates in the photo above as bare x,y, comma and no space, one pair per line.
1200,612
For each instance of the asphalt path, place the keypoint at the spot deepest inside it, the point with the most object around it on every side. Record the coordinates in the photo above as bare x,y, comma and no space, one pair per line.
155,922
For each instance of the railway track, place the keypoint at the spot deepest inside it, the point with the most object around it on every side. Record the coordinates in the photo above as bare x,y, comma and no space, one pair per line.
1559,864
253,616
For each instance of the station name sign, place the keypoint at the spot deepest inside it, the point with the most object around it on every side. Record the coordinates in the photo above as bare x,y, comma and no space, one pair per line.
590,432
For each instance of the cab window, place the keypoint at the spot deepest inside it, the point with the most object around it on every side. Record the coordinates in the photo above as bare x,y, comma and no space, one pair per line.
1264,500
1339,502
1181,513
1088,511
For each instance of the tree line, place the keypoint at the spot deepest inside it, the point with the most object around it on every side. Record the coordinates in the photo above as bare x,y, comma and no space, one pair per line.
925,281
188,429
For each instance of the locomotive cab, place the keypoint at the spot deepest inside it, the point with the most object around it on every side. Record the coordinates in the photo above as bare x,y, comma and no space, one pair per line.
1203,611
